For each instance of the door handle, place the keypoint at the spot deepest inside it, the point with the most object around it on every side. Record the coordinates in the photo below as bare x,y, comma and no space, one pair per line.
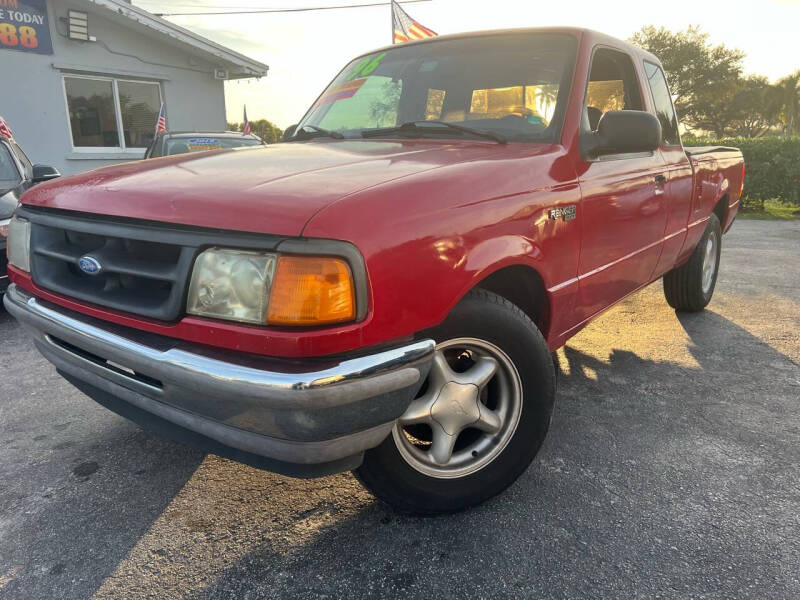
659,180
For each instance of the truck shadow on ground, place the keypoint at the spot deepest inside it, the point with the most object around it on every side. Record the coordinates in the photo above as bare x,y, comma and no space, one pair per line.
642,456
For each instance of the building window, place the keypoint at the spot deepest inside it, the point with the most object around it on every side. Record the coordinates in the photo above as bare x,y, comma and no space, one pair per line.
111,113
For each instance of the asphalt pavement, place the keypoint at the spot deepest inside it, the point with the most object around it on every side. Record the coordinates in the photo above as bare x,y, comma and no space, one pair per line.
672,469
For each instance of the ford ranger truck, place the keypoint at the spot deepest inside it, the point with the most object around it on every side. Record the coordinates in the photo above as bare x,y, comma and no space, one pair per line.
383,291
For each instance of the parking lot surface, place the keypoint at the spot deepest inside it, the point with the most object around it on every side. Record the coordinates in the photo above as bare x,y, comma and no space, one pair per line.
672,469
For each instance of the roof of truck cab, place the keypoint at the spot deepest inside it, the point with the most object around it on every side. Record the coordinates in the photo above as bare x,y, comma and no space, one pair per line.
595,37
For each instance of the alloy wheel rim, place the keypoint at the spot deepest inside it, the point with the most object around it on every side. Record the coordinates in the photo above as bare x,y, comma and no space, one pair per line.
709,262
465,414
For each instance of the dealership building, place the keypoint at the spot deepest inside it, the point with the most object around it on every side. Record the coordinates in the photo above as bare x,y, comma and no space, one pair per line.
82,81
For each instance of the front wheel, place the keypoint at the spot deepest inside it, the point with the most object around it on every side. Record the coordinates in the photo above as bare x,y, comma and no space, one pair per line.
689,287
479,419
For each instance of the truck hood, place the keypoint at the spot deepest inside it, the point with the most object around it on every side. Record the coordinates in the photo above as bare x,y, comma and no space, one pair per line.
273,189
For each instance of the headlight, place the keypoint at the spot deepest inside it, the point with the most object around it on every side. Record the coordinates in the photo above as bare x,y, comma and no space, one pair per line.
231,284
257,287
19,243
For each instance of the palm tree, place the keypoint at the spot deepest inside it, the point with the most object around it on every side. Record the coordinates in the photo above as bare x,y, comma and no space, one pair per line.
790,86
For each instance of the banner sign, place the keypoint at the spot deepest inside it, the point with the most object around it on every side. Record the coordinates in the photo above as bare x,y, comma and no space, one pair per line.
24,26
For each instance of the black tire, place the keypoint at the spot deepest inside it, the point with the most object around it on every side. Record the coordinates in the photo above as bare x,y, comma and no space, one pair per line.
489,317
684,286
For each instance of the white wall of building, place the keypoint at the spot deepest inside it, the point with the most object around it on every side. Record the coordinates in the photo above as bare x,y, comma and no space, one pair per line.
32,96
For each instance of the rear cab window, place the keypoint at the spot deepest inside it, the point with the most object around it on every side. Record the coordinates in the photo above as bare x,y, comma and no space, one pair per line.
665,111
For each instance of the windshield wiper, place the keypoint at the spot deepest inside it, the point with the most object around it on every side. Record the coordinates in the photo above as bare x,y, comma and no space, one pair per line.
419,127
303,133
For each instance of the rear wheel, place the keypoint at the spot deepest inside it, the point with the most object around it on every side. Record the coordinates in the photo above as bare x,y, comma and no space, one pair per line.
479,419
689,287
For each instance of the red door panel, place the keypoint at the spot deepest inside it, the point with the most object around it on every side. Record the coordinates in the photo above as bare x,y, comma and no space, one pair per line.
623,214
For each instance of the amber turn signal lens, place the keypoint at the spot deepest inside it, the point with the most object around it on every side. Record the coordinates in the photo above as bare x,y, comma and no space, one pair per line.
311,291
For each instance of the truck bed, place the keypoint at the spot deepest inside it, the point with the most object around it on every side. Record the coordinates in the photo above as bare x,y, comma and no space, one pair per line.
697,150
718,174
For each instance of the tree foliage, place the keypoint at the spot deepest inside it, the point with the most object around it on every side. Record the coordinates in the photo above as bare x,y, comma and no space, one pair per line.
755,107
709,90
266,130
703,78
789,89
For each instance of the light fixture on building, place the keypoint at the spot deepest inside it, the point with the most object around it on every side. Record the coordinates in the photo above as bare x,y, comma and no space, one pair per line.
79,26
220,73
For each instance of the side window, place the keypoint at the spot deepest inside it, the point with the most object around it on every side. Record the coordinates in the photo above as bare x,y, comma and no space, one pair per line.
23,159
613,85
665,111
154,147
9,174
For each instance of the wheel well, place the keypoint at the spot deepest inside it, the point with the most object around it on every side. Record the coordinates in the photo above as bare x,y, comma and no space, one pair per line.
721,210
524,287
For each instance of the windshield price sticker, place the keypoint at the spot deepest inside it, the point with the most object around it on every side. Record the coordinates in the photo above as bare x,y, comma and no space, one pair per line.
366,66
24,26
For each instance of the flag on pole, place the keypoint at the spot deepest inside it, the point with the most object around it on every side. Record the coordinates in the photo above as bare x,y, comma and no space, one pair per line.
5,129
405,29
245,123
161,124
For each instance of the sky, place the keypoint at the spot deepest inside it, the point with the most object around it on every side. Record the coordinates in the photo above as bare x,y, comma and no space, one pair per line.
305,50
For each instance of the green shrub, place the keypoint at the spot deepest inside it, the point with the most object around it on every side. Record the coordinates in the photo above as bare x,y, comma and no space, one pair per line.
773,168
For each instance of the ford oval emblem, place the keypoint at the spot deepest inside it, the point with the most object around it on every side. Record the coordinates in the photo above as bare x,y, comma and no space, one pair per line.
89,265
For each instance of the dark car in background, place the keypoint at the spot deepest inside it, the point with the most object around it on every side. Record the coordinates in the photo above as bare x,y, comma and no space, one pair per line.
182,142
17,174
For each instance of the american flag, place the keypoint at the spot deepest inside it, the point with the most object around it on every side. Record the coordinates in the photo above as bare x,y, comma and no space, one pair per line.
245,123
5,129
405,28
161,124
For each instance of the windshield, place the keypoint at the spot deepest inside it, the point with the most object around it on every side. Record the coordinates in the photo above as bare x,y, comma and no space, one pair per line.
201,144
9,174
510,84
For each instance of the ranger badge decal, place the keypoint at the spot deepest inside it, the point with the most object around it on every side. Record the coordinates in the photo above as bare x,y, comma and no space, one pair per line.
567,213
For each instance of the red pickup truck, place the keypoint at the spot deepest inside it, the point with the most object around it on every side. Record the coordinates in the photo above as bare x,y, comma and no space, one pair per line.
383,291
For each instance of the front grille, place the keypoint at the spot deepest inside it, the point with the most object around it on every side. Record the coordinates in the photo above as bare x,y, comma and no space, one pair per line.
143,277
145,266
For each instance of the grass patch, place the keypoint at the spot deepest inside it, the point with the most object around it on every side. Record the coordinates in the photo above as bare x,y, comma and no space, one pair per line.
774,210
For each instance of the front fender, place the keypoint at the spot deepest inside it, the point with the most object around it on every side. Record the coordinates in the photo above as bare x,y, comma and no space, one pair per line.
492,255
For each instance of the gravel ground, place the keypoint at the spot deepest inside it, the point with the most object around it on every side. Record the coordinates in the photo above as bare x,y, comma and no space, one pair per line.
671,469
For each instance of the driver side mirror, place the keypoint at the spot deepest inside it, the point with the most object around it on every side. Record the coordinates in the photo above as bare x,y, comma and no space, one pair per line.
43,173
623,132
289,132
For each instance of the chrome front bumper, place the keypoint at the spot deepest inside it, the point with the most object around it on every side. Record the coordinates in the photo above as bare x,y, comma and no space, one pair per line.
294,412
